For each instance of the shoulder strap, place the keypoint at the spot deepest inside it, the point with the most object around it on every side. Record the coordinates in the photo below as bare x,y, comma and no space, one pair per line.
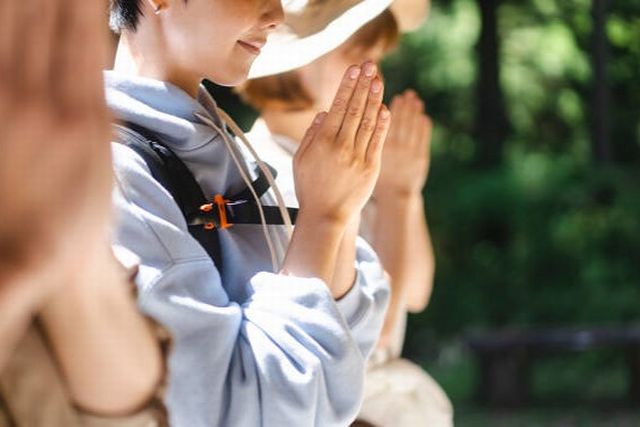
166,167
204,217
177,179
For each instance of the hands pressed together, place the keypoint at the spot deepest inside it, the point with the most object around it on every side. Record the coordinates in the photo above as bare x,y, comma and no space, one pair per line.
335,170
338,161
406,155
360,148
355,150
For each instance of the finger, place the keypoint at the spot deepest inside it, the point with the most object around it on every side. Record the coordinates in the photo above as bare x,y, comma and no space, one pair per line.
311,133
365,90
403,118
416,125
101,174
421,148
370,118
35,46
333,122
82,38
396,102
8,22
413,112
419,104
374,151
427,131
394,129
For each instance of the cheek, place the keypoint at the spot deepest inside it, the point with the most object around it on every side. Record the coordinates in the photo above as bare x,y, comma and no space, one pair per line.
194,34
217,44
219,21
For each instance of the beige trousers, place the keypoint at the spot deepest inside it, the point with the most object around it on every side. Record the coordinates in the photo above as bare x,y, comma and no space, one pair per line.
399,393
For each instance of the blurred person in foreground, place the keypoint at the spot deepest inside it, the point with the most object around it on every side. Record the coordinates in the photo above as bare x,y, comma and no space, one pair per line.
74,350
397,392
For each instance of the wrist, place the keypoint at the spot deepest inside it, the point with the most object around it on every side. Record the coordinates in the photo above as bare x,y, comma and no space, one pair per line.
403,189
328,221
400,207
314,246
398,195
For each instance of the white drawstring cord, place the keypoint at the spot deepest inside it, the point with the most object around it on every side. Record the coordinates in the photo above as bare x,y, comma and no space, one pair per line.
265,170
247,180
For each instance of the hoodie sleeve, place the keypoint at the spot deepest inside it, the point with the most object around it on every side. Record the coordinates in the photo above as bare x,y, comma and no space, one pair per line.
370,291
285,356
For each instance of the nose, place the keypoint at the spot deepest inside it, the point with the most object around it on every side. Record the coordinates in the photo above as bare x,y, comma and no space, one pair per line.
273,15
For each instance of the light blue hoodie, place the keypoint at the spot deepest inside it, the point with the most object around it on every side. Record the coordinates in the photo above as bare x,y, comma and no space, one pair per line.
250,348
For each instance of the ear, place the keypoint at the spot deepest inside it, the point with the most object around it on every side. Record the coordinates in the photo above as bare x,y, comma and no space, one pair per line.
157,6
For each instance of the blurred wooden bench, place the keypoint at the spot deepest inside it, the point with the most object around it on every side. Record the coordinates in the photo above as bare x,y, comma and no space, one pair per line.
504,357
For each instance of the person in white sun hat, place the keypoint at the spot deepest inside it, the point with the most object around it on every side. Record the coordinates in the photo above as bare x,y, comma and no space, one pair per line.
292,80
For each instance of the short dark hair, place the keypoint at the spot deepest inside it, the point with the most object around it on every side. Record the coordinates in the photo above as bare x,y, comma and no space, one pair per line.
124,14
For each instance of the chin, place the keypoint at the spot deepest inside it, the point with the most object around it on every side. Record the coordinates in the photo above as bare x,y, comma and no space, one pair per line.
233,77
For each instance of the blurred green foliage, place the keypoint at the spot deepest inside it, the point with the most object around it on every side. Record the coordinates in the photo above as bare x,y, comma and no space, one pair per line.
541,240
549,236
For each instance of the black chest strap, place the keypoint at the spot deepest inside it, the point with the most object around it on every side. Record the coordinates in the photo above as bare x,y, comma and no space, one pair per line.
204,216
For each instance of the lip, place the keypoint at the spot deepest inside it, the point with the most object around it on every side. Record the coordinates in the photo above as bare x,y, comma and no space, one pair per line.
253,46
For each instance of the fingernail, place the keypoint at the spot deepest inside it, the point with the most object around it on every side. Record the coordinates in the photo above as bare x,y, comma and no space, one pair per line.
354,73
384,114
319,118
369,69
376,86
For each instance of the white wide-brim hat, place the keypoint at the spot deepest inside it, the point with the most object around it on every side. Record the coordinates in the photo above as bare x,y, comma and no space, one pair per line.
313,28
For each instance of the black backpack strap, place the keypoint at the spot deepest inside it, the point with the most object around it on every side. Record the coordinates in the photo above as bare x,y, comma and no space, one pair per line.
260,185
175,177
242,209
204,216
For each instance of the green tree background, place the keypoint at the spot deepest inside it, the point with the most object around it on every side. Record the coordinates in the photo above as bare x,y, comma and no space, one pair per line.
548,233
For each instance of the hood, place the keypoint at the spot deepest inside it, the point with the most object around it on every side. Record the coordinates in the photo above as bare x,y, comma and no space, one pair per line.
166,109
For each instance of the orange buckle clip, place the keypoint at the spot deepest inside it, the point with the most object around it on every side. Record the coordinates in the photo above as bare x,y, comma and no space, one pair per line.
222,211
220,202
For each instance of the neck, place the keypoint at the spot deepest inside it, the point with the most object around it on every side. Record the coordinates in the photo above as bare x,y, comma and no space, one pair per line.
143,54
292,124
